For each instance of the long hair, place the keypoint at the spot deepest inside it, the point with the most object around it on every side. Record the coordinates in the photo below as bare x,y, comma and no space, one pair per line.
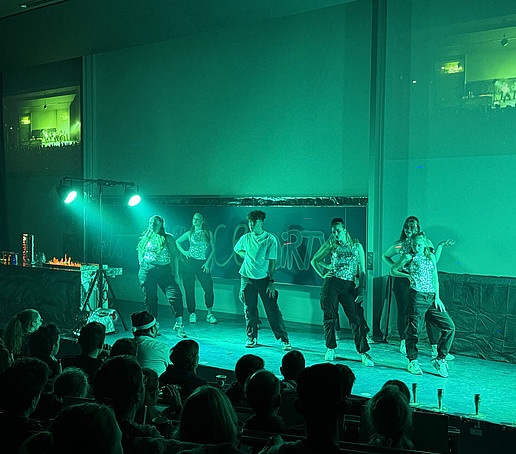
208,418
403,237
17,329
427,252
184,354
204,228
149,233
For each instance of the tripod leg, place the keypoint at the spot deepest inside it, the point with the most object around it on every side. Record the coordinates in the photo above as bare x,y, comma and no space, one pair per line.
115,301
86,305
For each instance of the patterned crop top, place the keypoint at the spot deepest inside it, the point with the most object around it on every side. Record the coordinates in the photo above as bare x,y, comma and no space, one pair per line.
421,270
344,262
198,246
155,254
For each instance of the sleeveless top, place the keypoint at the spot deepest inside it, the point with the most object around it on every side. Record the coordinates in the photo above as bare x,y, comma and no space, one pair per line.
344,262
154,254
421,270
198,245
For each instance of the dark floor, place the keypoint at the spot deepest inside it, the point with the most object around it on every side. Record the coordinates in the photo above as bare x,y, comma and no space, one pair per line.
221,345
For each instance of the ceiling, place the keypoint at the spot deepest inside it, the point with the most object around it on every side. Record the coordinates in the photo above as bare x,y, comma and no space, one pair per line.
57,30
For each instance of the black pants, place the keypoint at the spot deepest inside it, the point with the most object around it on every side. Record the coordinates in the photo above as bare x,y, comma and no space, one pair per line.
421,304
191,269
249,291
335,291
401,287
152,276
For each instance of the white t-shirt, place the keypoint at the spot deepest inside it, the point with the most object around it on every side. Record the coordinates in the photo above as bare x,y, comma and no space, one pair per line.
259,249
152,354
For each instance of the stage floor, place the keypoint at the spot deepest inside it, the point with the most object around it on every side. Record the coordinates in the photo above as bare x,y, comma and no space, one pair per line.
222,344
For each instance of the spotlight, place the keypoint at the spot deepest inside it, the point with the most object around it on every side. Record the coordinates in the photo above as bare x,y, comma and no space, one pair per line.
66,191
504,41
131,196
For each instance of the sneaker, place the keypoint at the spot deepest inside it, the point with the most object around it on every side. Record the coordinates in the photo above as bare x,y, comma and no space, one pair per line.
329,355
192,318
180,330
285,344
441,366
251,342
210,318
414,367
435,353
403,347
367,360
369,339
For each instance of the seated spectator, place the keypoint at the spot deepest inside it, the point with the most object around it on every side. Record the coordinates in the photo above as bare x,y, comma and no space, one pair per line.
401,386
5,356
390,416
20,388
292,364
17,331
151,354
86,428
321,401
119,383
91,340
44,344
262,391
246,366
208,418
72,382
124,346
185,359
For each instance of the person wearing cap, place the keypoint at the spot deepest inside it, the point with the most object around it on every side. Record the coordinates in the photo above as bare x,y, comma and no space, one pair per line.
158,257
151,353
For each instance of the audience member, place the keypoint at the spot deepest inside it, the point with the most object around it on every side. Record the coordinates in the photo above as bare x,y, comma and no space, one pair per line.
151,354
20,388
17,331
44,344
86,428
208,418
390,416
124,346
292,364
185,359
119,383
246,366
72,382
262,391
5,356
404,389
91,340
321,401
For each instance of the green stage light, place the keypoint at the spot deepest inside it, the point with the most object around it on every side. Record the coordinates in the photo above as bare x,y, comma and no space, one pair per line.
67,191
131,196
71,196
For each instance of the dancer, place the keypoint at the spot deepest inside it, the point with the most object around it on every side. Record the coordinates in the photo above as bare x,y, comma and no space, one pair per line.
424,300
157,254
347,260
198,264
401,285
259,249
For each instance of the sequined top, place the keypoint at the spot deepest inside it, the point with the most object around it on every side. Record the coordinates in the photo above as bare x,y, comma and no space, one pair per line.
405,247
421,270
155,254
344,262
198,245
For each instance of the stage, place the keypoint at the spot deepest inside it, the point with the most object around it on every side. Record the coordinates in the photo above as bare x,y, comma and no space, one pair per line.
222,344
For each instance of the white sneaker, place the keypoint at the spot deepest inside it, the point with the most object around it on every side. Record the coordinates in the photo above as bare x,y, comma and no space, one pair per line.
403,347
329,355
192,318
180,330
210,318
440,366
414,367
435,354
285,344
251,342
367,360
369,339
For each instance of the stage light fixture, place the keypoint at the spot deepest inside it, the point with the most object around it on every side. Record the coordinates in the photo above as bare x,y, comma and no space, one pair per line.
131,196
504,41
67,191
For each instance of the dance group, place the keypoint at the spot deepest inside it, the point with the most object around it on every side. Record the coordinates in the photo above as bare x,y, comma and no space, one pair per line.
416,284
